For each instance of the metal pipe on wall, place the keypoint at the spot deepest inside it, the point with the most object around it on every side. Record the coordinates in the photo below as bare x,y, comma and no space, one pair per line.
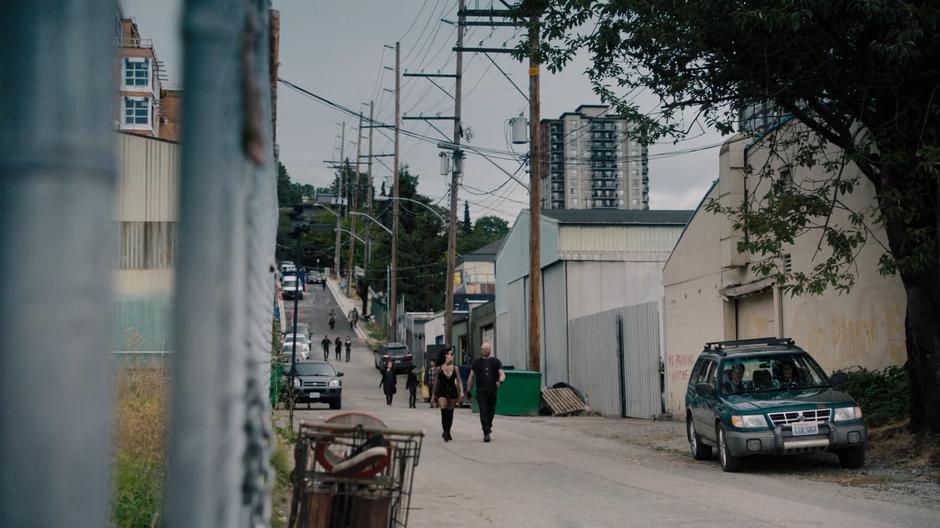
57,176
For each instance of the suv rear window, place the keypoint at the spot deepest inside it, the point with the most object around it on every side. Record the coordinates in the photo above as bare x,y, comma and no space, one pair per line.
396,351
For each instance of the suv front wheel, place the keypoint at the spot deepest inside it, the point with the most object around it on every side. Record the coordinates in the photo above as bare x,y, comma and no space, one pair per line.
700,451
729,463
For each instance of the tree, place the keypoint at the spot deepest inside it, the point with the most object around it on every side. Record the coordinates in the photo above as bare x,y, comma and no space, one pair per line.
859,76
486,230
288,192
467,226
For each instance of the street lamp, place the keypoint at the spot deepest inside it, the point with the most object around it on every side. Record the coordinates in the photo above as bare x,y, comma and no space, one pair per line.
357,213
426,206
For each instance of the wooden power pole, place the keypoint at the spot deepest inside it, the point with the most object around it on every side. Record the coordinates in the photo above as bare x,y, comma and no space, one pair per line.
393,279
535,207
454,183
339,203
350,265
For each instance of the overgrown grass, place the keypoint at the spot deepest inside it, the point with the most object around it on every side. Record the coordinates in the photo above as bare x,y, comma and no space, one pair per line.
884,395
140,424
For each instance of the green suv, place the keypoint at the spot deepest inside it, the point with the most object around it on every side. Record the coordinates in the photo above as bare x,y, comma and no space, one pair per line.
769,397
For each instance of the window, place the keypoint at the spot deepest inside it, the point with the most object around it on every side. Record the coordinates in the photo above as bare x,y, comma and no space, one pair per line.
137,111
136,72
574,201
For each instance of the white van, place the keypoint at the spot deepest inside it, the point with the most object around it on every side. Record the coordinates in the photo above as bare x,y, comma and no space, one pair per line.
291,287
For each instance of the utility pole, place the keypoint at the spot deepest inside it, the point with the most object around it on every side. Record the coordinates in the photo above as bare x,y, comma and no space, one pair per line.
368,249
535,207
339,209
350,265
454,182
393,302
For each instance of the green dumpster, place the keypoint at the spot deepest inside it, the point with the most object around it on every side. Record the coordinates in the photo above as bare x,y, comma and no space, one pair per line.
518,396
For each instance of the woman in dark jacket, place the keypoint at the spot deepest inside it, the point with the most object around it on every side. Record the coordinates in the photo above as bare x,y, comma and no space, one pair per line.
448,390
388,383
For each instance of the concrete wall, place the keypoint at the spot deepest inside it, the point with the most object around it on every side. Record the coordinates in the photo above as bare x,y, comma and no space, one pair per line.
711,294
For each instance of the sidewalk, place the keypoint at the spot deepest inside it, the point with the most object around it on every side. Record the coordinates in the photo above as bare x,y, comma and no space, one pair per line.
345,304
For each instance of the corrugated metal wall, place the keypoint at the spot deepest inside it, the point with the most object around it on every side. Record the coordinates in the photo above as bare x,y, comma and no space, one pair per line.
555,327
641,359
501,348
594,364
592,342
518,336
148,180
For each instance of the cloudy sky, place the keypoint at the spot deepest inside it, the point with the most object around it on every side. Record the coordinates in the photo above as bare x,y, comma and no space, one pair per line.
336,49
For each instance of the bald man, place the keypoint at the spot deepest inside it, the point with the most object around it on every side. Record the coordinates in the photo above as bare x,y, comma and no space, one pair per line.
487,372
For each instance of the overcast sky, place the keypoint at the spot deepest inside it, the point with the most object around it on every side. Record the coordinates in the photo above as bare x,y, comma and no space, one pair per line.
336,49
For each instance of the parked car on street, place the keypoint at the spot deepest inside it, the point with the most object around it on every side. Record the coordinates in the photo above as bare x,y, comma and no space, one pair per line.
316,382
301,328
769,397
314,277
291,287
401,357
303,350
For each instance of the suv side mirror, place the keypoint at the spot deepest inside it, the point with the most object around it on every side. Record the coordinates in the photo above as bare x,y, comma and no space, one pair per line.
704,389
339,374
838,380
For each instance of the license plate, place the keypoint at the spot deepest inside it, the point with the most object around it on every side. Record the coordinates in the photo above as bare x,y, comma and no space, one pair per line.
805,429
317,395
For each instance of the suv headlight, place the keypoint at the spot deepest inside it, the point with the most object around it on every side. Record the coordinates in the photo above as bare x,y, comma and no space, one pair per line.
844,414
333,383
749,420
296,383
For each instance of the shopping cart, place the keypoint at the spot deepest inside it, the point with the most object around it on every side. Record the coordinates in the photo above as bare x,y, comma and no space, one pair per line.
352,471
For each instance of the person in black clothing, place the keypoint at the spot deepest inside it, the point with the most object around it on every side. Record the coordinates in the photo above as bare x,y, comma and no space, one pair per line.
429,374
325,343
448,390
412,385
339,346
487,372
389,382
348,348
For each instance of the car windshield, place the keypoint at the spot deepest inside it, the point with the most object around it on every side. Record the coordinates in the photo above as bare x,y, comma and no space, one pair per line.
396,351
301,338
289,346
315,369
767,373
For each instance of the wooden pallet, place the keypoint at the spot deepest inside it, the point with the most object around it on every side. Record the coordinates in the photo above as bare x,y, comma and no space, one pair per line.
563,401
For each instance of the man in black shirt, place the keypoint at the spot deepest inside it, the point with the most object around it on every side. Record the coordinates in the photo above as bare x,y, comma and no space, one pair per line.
487,372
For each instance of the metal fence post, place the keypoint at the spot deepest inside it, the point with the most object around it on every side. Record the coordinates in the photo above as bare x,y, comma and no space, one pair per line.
207,440
57,176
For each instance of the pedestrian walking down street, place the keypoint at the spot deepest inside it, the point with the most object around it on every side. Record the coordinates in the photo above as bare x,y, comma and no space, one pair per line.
429,375
325,343
487,372
412,385
389,382
339,347
448,390
348,348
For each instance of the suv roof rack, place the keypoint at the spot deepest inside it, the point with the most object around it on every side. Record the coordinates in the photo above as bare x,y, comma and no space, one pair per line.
718,346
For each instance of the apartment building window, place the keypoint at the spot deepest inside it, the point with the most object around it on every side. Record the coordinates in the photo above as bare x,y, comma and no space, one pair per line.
137,112
574,202
136,72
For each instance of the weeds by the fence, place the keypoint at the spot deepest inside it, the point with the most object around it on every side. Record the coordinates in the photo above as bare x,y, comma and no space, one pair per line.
140,425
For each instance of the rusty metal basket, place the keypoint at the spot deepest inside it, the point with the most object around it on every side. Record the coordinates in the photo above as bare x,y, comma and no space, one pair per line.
374,496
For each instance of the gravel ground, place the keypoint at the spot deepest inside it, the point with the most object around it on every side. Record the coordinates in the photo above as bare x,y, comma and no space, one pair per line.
895,470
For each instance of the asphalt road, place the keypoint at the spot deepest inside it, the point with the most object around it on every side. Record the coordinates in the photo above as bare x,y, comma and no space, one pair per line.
537,473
